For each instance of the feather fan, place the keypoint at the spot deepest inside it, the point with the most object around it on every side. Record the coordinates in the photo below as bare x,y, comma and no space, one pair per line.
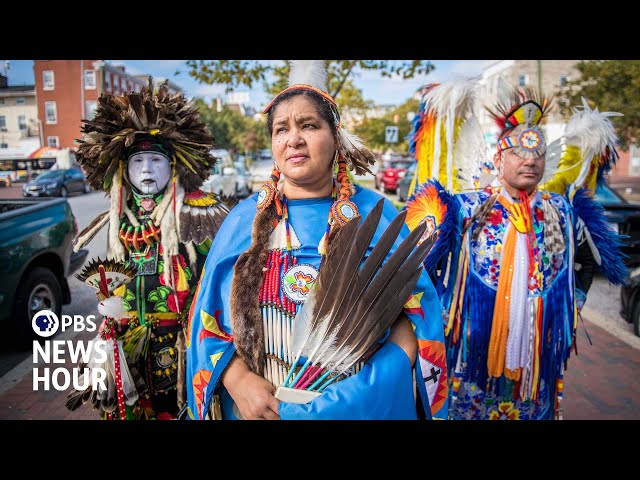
350,307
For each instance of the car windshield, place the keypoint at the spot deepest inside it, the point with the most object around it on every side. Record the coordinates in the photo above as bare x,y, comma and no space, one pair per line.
52,174
400,164
605,194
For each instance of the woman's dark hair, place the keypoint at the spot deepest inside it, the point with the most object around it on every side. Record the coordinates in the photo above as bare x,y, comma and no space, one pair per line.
323,107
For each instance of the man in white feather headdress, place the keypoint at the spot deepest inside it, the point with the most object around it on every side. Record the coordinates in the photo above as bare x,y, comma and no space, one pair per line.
513,261
150,152
267,268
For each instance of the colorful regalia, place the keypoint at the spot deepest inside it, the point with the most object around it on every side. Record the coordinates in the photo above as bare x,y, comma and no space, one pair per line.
509,270
163,237
261,269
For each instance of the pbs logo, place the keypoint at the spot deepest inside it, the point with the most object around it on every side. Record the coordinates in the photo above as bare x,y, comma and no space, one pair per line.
45,323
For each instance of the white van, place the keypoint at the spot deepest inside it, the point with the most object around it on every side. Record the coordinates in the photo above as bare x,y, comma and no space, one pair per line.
223,179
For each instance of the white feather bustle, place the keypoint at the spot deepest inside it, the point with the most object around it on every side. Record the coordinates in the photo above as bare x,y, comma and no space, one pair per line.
193,257
118,194
112,307
308,72
169,239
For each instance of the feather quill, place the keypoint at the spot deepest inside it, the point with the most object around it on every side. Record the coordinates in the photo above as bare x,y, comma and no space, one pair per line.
363,302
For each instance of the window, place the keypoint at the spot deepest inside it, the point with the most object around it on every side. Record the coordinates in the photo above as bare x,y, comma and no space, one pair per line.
22,122
634,161
48,80
3,123
53,142
107,82
563,80
523,80
90,108
4,145
20,101
89,80
51,112
1,101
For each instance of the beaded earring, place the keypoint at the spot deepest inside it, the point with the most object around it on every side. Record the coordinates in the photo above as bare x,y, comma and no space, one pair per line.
269,191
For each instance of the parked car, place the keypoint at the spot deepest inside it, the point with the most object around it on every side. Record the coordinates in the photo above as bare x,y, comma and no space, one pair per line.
405,181
56,183
630,300
624,217
36,256
244,179
393,170
223,178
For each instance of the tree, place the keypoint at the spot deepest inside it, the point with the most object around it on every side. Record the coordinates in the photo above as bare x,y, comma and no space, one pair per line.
236,73
612,86
372,130
231,130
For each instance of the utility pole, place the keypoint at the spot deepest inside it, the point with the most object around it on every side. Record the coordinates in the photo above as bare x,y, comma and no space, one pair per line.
539,75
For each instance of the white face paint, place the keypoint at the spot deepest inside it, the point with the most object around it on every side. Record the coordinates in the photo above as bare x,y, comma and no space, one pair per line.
149,172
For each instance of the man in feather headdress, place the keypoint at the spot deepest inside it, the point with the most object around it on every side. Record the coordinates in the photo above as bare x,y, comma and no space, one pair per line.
512,262
150,152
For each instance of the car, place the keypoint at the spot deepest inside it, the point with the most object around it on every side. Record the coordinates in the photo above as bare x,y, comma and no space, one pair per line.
244,179
57,183
36,257
223,178
630,300
405,181
392,171
624,218
265,155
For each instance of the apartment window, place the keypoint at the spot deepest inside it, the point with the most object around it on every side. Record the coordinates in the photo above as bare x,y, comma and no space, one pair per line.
634,161
20,101
90,108
51,112
4,145
22,122
53,142
107,82
3,123
1,101
89,79
523,80
48,80
563,80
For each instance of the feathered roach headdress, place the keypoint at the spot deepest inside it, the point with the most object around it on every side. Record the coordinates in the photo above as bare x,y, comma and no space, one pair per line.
518,114
168,122
144,122
312,75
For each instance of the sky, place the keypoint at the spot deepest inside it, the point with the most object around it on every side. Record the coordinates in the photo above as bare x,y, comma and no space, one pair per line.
383,91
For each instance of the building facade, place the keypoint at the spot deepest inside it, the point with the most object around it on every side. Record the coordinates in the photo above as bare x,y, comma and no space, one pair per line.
19,130
549,76
68,90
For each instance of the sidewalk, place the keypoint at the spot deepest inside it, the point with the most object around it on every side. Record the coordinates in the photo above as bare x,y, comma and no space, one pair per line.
600,384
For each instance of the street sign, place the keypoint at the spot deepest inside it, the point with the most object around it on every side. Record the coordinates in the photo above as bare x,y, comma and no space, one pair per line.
391,134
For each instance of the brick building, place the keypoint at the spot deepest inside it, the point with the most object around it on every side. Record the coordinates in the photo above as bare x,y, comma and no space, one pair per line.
67,91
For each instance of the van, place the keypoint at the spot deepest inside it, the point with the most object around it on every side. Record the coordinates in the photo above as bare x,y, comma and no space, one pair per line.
223,178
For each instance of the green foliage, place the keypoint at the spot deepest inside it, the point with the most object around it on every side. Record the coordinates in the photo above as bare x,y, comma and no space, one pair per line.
612,86
247,73
232,131
371,130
